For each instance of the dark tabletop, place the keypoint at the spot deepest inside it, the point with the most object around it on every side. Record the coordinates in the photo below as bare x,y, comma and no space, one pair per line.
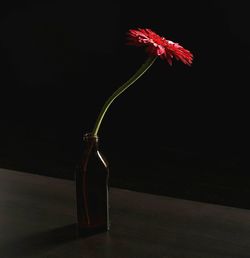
38,219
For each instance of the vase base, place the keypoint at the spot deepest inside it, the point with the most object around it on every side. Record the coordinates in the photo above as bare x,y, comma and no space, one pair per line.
87,231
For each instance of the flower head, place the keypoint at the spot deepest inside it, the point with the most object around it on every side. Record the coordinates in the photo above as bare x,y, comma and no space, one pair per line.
159,46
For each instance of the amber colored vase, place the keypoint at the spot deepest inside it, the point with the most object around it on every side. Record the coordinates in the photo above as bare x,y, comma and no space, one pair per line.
92,189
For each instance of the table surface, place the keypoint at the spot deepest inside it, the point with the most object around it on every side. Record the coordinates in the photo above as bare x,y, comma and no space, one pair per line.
38,219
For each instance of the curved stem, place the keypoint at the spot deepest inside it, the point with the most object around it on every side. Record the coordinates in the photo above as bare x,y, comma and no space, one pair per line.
120,90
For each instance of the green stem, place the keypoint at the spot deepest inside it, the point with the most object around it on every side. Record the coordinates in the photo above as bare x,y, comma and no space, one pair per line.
120,90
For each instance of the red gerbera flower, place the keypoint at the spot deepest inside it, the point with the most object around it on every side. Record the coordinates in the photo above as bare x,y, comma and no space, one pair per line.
159,46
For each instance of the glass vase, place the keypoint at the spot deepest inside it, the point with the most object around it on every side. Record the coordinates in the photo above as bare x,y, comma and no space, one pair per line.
92,189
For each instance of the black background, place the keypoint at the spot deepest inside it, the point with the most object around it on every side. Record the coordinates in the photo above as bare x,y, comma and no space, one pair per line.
178,131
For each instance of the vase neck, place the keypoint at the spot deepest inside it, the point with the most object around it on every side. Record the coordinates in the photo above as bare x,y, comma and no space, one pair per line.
91,140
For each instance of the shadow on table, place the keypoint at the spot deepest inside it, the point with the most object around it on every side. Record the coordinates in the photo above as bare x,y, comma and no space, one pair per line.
39,243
